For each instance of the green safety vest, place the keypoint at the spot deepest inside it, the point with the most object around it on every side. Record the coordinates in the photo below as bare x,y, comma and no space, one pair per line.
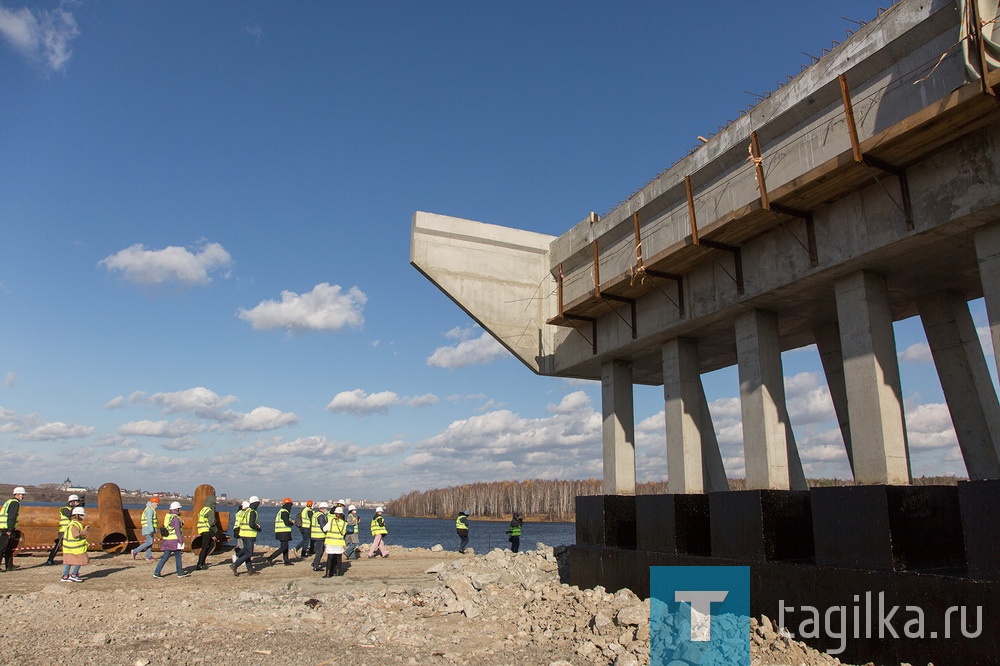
335,531
461,524
316,531
168,526
203,525
65,515
5,511
279,524
378,526
74,545
307,517
515,529
247,530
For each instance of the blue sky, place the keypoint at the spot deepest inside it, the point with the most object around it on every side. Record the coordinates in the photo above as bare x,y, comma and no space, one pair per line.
206,211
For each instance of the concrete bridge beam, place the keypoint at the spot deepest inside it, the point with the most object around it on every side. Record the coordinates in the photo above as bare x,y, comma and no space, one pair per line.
965,379
619,428
987,243
694,462
772,459
871,375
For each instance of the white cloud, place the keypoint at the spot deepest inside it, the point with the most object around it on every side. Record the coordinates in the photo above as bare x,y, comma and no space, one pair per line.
477,351
360,403
169,429
199,401
44,37
9,379
262,418
171,264
57,430
388,449
929,426
115,403
919,352
325,308
422,400
184,444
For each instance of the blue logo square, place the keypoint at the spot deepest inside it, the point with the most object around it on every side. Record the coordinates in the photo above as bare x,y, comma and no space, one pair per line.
699,615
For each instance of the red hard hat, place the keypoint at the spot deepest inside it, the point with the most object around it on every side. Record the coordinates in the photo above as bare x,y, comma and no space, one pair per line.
309,503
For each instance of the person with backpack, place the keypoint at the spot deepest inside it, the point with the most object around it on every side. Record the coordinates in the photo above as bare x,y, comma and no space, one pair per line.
304,522
282,532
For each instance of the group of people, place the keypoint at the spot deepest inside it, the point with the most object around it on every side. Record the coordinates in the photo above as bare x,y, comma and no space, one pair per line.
327,531
513,531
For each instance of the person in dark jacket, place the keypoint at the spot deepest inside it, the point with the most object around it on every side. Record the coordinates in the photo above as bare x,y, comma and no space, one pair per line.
514,531
249,529
318,535
462,528
8,527
283,532
208,530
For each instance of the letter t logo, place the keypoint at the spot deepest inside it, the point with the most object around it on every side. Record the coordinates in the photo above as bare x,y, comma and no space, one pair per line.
701,610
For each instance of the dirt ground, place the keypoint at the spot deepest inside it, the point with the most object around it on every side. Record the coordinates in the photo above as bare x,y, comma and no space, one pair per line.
416,607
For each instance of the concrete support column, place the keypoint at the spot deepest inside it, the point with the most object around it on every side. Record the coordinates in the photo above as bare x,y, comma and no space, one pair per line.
619,428
988,252
772,460
832,356
871,375
694,463
965,379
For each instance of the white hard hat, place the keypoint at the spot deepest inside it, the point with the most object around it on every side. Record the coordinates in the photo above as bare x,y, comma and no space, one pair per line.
245,505
379,510
339,510
253,498
341,502
73,498
19,491
175,505
324,505
77,511
352,508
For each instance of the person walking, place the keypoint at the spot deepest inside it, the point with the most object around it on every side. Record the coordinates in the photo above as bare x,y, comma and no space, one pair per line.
173,541
352,534
283,532
148,526
304,522
249,530
379,532
318,534
462,528
514,531
208,530
335,542
65,515
238,517
8,527
74,546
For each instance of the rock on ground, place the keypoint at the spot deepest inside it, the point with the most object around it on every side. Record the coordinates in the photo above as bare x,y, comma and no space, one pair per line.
417,607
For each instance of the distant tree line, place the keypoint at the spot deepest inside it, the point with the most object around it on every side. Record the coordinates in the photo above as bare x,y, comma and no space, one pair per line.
546,499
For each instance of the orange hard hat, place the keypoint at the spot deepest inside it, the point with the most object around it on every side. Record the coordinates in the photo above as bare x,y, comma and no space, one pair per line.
287,500
309,503
155,500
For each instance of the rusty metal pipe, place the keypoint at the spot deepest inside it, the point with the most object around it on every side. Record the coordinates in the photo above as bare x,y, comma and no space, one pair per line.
111,518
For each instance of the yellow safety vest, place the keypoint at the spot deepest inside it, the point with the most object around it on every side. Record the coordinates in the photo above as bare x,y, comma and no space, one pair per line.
203,525
148,517
336,529
168,526
316,531
378,526
74,545
238,521
65,514
307,517
5,511
247,530
460,525
279,523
